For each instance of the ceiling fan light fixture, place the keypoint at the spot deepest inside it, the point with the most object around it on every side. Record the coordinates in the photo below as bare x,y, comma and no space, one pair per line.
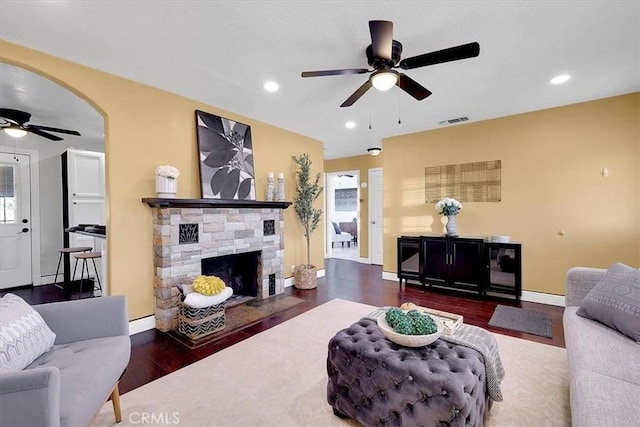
384,79
374,151
15,132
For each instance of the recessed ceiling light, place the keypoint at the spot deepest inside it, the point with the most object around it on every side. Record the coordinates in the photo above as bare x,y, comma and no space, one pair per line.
558,80
350,124
271,86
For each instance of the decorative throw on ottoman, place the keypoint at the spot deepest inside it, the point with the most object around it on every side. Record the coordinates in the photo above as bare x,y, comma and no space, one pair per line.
377,382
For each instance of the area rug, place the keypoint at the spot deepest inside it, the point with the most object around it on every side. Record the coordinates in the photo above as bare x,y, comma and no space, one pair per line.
243,315
519,319
278,378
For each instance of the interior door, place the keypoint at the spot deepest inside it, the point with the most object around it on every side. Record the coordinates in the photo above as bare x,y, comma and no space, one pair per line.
376,228
15,220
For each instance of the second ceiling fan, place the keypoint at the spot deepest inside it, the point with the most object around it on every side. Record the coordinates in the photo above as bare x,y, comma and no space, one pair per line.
383,54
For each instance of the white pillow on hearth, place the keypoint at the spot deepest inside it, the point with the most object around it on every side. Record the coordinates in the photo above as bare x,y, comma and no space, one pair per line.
196,300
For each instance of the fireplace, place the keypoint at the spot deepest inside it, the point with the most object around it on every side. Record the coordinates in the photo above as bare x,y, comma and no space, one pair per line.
238,271
189,233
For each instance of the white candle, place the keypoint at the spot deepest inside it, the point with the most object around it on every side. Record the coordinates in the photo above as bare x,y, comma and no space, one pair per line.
270,175
281,175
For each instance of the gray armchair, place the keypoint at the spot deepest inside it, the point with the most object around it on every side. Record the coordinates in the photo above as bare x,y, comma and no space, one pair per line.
70,383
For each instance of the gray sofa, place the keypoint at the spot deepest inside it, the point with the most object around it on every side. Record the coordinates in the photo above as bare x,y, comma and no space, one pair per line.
604,365
69,384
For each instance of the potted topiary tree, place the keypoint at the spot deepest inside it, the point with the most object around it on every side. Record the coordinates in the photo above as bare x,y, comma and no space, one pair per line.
306,193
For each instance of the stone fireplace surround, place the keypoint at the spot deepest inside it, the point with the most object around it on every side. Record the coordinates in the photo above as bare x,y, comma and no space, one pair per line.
224,227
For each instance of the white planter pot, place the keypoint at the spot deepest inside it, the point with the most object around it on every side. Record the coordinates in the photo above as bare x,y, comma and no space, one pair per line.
166,187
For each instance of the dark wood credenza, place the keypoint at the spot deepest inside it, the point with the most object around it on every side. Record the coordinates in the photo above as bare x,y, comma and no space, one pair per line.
466,264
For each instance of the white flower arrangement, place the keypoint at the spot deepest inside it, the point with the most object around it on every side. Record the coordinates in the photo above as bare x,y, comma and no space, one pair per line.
448,206
168,171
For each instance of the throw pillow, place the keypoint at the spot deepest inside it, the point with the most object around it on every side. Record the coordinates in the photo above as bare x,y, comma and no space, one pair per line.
336,228
615,301
24,335
196,300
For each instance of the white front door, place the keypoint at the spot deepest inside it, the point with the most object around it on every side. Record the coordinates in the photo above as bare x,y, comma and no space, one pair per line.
375,216
15,220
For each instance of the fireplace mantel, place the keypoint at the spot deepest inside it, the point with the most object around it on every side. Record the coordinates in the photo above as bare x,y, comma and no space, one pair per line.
212,203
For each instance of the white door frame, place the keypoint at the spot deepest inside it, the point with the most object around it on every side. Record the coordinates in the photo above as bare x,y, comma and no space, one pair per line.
330,202
371,216
34,226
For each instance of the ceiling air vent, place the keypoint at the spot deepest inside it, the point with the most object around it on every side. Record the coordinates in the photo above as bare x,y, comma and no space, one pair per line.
452,121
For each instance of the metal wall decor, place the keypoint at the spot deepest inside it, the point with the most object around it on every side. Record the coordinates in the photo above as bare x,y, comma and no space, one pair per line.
225,157
269,227
465,182
187,233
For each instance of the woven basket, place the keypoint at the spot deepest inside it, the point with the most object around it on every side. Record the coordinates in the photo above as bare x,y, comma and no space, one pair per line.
196,323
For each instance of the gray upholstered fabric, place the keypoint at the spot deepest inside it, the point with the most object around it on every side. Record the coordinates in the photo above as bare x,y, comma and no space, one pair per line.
67,385
30,398
615,301
87,375
94,318
378,382
604,365
580,280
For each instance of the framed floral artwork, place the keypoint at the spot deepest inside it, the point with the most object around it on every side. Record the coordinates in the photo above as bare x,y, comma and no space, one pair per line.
225,153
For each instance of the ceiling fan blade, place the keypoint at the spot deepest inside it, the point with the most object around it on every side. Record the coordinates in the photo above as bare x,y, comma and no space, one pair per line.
412,87
67,131
464,51
357,94
42,133
335,72
381,38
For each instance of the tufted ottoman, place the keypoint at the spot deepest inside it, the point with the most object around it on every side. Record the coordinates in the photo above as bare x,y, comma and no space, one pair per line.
377,382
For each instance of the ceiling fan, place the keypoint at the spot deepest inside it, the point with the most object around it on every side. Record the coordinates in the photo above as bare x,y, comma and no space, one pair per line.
14,123
383,54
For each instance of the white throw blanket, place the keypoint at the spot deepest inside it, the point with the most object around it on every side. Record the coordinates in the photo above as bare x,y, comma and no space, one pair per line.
477,339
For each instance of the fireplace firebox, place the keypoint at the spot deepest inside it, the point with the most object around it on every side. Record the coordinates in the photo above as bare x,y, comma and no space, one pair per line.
240,272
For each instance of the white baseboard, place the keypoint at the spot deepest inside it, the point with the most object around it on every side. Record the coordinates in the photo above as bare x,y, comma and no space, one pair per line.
290,281
529,296
141,325
362,260
387,275
542,298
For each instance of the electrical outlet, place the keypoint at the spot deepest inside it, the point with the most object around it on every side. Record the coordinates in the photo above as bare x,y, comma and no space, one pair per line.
293,268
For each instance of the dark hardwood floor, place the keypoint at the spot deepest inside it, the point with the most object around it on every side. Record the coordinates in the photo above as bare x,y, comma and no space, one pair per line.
155,354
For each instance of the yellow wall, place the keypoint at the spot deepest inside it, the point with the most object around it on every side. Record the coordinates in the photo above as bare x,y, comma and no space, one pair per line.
146,127
551,181
362,164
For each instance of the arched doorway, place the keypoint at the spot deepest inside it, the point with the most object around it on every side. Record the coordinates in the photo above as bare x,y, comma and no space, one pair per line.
53,105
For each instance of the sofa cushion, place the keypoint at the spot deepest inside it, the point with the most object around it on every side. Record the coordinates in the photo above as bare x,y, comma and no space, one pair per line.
24,335
596,348
615,301
598,400
86,375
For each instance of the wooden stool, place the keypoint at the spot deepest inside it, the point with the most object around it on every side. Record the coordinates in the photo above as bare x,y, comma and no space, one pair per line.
83,257
62,252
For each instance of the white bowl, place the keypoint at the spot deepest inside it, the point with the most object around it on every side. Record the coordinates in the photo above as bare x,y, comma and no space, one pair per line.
409,340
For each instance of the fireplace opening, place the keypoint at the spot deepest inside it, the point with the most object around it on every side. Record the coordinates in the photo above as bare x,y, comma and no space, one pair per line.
241,272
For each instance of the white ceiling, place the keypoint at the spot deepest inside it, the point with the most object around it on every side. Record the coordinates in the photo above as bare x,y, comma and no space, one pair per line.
221,52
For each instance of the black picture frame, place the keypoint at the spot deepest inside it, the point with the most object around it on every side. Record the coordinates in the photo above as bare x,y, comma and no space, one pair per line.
225,158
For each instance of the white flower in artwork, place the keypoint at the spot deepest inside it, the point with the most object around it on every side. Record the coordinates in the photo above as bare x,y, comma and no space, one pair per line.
167,171
448,206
